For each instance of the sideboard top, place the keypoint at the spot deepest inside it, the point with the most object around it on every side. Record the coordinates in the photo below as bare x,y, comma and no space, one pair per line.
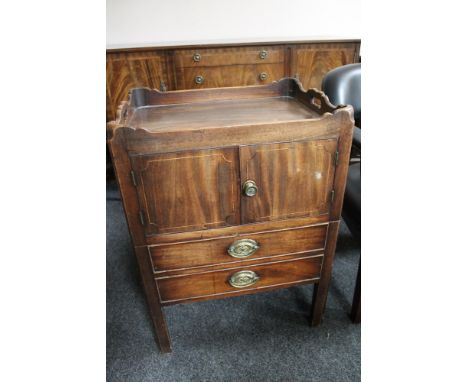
227,43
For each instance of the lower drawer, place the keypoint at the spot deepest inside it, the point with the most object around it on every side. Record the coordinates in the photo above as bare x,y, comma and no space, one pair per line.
225,76
239,248
237,280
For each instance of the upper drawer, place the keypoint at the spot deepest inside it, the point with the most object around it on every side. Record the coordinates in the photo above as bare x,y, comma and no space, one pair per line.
228,56
242,248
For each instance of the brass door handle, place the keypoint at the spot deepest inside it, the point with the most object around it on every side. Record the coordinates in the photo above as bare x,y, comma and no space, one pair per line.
243,248
243,279
199,80
249,188
263,54
263,76
197,57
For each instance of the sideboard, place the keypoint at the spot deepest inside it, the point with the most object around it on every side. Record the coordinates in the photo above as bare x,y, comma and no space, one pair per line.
213,66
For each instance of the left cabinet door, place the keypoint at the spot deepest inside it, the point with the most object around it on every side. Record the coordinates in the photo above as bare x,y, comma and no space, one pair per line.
188,190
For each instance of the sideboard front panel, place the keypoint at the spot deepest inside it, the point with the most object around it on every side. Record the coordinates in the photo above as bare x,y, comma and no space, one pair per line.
310,63
125,71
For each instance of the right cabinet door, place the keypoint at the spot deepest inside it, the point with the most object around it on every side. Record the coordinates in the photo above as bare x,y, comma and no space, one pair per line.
286,180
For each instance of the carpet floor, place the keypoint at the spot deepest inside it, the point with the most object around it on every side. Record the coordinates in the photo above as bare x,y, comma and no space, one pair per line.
262,337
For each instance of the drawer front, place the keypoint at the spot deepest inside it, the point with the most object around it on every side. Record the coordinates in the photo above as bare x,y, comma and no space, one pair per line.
188,58
239,248
226,76
240,279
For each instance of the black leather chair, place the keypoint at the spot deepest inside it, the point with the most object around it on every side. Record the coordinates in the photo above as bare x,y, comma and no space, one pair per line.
343,87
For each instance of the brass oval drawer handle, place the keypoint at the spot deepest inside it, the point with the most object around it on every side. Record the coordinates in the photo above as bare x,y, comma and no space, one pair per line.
263,76
243,248
199,80
263,54
197,57
243,279
249,188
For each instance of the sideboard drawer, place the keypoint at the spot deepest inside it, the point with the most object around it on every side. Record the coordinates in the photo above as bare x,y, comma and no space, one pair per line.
226,76
238,248
237,280
228,56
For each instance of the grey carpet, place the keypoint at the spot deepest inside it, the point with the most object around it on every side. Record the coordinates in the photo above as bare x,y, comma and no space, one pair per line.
263,337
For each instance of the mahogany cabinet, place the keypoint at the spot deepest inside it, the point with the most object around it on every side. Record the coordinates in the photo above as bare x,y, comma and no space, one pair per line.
231,191
210,66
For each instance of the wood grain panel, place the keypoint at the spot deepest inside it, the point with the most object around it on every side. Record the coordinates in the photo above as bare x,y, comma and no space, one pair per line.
311,62
228,56
214,251
185,287
188,190
294,179
225,76
131,70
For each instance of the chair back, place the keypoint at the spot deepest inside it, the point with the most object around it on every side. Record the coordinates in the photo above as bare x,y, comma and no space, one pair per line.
342,85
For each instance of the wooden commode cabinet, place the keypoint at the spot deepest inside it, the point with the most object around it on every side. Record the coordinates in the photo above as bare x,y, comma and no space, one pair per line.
231,191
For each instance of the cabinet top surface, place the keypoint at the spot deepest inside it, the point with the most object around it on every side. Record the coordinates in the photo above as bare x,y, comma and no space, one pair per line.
223,113
283,101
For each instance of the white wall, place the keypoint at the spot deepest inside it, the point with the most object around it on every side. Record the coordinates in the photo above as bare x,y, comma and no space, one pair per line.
133,23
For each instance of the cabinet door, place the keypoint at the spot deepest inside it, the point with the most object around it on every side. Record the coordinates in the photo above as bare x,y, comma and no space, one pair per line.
293,179
125,71
311,62
188,190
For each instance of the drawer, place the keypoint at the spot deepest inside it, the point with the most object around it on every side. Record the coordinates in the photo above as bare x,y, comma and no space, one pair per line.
227,76
237,248
240,279
228,56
